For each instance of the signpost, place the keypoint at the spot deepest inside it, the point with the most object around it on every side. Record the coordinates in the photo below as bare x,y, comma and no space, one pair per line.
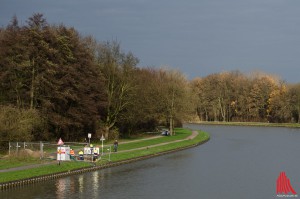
9,148
109,153
102,139
18,147
60,142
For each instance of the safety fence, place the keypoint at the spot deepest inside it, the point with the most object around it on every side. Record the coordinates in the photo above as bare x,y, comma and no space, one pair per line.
38,149
3,147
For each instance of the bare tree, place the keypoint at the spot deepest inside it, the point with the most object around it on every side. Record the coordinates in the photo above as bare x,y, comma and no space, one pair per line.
176,96
117,69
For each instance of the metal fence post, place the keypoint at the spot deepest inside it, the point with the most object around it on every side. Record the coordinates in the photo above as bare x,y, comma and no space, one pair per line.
17,148
41,150
109,153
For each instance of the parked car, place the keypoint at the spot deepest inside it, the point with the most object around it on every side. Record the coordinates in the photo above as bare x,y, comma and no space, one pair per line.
165,133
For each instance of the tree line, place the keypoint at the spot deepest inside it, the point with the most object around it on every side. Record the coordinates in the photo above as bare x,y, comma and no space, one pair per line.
58,83
233,96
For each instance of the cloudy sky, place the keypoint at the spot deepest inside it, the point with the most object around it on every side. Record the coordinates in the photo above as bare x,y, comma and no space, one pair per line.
198,37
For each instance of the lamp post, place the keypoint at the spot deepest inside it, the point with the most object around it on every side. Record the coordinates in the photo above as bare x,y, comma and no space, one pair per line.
9,148
89,136
109,153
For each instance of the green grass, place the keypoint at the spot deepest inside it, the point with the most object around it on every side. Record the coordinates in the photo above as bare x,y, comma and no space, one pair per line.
202,136
13,162
180,134
43,170
134,138
66,166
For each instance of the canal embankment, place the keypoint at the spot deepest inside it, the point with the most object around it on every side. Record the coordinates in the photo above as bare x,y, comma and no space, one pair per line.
144,150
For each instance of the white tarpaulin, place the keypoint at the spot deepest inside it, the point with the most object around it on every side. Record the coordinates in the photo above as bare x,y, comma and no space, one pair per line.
63,153
87,150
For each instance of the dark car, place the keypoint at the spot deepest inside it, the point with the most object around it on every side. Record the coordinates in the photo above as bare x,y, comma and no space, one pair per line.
165,133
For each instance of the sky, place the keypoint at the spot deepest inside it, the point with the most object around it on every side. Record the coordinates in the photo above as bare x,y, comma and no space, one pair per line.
197,37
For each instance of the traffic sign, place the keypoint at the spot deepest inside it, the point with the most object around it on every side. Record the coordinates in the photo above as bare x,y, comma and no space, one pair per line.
102,138
60,142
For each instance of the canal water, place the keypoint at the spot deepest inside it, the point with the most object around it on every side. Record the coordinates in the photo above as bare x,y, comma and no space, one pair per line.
238,162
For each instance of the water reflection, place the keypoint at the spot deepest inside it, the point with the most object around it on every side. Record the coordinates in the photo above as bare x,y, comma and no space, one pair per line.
61,187
95,185
80,182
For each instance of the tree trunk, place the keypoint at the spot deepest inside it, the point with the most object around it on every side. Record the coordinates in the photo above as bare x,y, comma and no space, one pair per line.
106,132
206,115
222,110
299,115
171,126
32,86
172,112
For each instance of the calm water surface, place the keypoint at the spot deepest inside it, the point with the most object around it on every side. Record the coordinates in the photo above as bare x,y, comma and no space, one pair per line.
238,162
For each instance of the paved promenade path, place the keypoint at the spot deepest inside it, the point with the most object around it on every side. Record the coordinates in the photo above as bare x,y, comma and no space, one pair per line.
192,136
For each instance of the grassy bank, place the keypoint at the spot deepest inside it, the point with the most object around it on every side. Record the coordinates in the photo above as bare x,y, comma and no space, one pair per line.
290,125
181,134
13,162
43,170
